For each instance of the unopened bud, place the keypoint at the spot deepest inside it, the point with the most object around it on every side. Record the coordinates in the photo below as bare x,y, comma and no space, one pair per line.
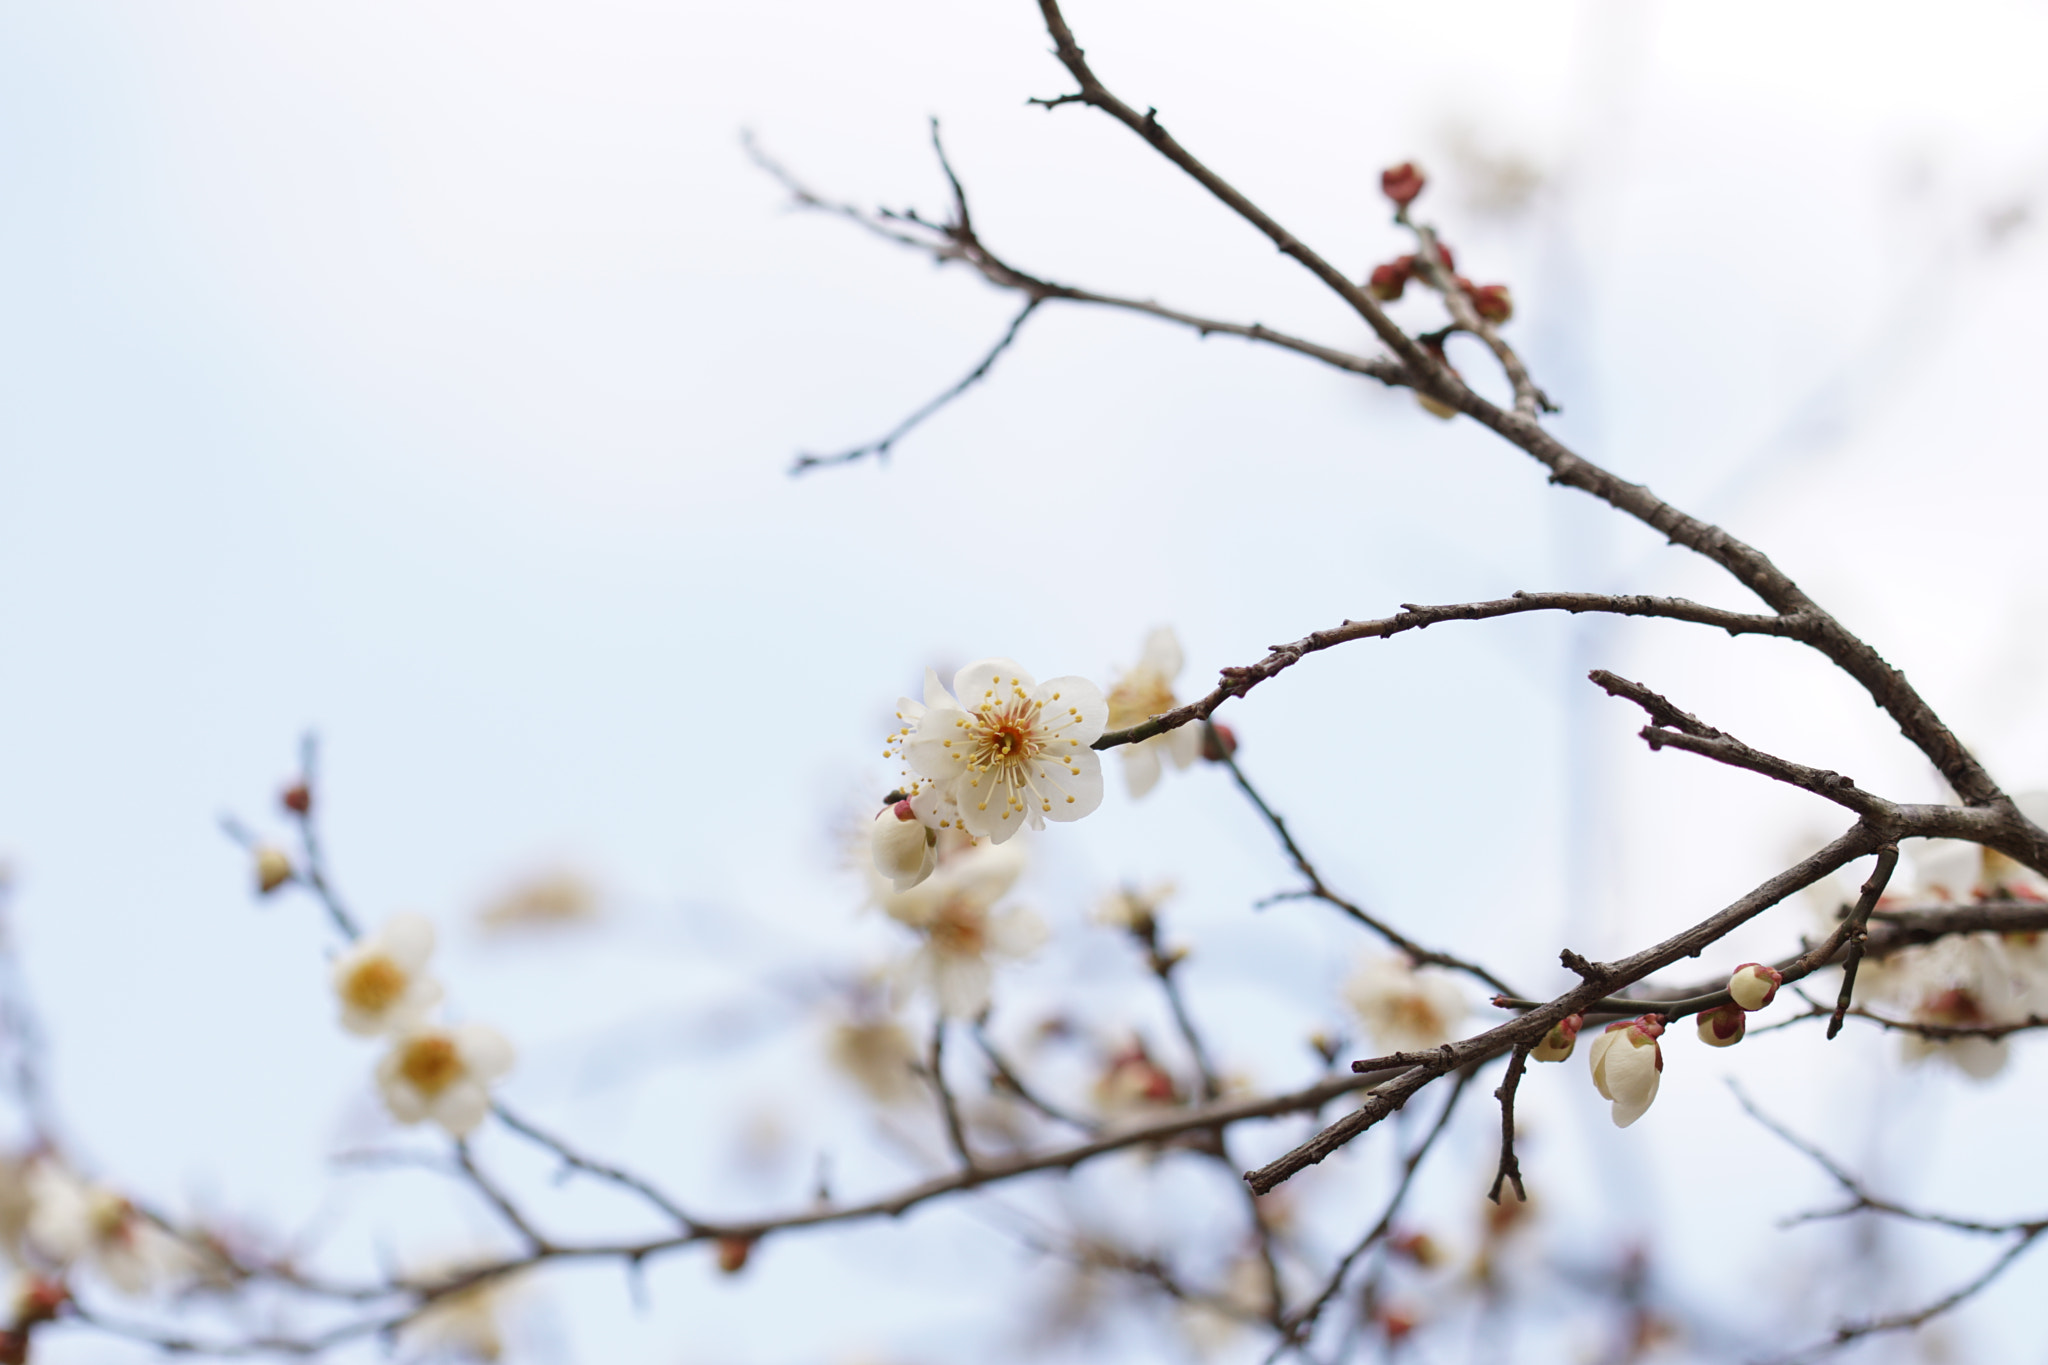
1218,742
1559,1042
1754,985
1444,257
1492,302
733,1253
1397,1323
297,798
1723,1025
1387,281
1627,1066
904,849
273,869
1402,183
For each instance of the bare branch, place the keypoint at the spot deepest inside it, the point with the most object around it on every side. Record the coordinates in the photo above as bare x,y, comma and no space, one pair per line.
1239,680
1856,933
1510,1171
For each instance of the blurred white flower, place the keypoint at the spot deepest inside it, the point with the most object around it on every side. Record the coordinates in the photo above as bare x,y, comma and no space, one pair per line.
1005,753
955,911
1405,1009
904,848
443,1074
72,1221
273,867
547,899
877,1055
1131,1082
466,1325
1134,910
1627,1065
381,979
1144,692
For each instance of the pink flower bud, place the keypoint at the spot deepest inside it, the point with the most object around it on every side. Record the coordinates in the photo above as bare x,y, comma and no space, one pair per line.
1754,985
1402,183
297,798
1492,302
1218,742
1723,1025
1388,280
1559,1042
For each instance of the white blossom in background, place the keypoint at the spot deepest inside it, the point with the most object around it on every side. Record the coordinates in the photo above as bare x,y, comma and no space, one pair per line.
1135,910
1405,1008
1144,692
1003,753
74,1222
443,1074
955,910
1963,981
1627,1066
876,1055
466,1325
381,979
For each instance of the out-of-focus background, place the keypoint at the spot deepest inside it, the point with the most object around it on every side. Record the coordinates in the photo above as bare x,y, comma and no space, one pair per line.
427,374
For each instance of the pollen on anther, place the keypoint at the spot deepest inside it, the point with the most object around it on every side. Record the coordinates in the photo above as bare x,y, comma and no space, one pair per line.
1070,800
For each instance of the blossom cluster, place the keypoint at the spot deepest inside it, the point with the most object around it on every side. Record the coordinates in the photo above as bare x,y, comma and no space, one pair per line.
430,1070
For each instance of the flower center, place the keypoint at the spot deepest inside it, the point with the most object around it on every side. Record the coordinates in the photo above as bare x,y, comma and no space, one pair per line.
375,985
430,1064
1138,697
1004,733
960,930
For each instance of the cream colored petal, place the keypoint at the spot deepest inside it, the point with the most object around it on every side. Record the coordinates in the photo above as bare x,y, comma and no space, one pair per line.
1162,654
1017,933
461,1107
961,983
1141,767
486,1053
408,939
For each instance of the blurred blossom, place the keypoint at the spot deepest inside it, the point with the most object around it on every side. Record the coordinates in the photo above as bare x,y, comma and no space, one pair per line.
550,898
878,1056
468,1325
443,1074
72,1222
1404,1008
954,909
1965,981
1142,693
1212,1324
1134,911
273,868
1131,1082
381,978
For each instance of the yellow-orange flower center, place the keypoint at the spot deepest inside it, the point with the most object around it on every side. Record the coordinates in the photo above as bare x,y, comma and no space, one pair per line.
960,930
431,1064
375,985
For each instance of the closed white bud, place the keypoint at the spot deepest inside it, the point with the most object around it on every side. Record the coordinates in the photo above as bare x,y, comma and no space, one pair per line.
1559,1042
1627,1065
273,869
1723,1025
905,851
1754,985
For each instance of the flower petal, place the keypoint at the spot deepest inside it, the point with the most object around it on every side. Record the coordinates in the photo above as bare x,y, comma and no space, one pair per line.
1141,767
408,939
989,680
937,749
1082,704
1076,791
485,1052
461,1107
1162,653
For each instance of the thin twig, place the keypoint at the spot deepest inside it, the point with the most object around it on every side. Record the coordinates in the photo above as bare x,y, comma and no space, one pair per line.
1855,930
949,1109
1510,1171
1319,890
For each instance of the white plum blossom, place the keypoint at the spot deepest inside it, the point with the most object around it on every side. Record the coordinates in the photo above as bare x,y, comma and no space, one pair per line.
1144,692
1627,1065
1406,1009
955,910
904,848
1003,753
381,979
72,1221
443,1074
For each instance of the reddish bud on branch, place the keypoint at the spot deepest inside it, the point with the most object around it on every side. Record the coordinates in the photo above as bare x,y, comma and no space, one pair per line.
1218,742
1388,281
1723,1025
297,798
1402,183
733,1253
1754,985
1492,302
